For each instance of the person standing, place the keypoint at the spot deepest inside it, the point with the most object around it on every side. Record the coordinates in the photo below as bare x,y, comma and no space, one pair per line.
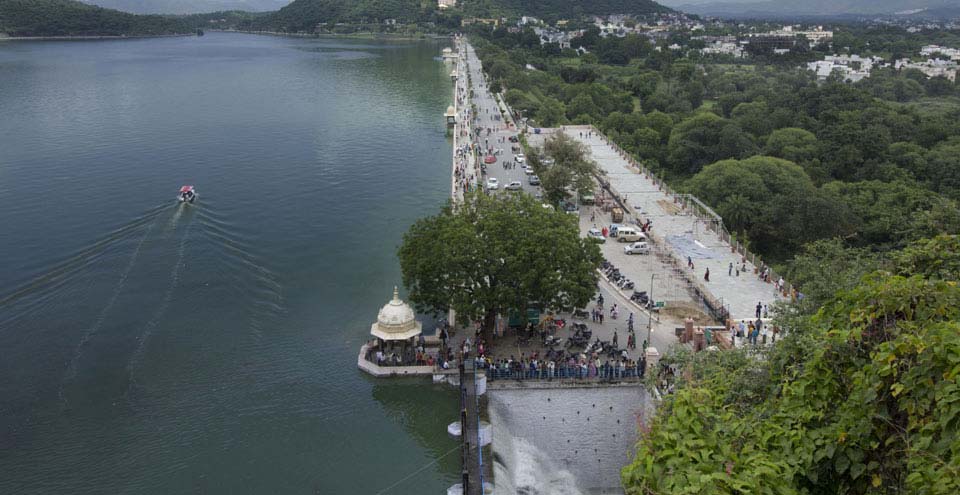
759,308
706,275
730,269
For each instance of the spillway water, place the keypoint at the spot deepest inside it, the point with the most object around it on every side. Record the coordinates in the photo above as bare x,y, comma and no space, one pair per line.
570,441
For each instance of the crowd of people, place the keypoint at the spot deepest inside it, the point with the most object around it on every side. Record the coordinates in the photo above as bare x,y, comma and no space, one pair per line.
572,367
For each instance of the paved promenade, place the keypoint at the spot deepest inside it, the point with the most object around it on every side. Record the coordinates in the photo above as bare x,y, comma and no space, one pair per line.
680,233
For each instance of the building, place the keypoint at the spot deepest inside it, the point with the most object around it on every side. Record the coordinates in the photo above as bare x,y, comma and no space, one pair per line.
446,4
933,67
815,37
723,48
398,343
929,50
851,68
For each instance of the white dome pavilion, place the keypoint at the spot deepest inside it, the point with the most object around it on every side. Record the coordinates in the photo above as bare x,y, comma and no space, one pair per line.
396,321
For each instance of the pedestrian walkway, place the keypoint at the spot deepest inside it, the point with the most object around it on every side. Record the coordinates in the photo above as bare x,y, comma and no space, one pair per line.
683,235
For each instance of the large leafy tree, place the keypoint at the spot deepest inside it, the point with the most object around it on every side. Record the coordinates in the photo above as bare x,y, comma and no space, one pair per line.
493,254
860,398
771,200
706,138
571,170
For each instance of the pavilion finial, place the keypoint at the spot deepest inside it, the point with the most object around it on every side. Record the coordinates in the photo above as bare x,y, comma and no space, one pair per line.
396,294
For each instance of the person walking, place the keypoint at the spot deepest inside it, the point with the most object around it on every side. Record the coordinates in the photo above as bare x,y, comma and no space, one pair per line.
759,308
730,269
706,275
614,339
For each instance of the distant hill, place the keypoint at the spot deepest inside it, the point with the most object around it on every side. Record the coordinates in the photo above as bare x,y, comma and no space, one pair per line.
188,6
566,9
304,15
72,18
821,8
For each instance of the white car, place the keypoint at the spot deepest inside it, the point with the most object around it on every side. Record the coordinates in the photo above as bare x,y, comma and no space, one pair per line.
527,169
637,248
492,184
514,186
519,158
596,235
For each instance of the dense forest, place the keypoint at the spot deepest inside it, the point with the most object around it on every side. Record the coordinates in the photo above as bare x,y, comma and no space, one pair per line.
775,152
558,9
71,18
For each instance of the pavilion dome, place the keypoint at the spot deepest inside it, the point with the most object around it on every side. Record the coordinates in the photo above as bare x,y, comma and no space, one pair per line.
396,321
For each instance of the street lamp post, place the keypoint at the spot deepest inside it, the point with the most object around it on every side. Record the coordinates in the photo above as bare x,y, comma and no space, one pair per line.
650,312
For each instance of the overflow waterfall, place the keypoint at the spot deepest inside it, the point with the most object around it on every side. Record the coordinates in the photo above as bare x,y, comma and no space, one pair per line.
570,441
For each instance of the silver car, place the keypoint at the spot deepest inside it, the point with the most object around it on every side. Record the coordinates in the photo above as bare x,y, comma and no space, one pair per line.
637,248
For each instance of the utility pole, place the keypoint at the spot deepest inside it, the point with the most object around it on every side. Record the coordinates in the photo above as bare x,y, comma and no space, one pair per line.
650,312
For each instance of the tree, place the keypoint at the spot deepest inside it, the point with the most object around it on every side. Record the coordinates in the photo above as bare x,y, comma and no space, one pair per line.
826,267
582,104
753,117
490,255
773,201
706,138
570,170
943,165
551,112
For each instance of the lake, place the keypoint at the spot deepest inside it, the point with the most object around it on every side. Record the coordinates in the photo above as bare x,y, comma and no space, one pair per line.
148,347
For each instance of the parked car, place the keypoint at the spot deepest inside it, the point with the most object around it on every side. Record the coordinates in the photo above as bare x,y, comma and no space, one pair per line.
514,186
533,180
492,184
637,248
569,207
513,139
596,235
527,169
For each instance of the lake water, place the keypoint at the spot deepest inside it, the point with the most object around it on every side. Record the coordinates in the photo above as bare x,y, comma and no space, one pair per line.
147,347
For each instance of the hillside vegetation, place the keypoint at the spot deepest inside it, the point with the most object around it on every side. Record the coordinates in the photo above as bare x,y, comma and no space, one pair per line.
859,398
71,18
188,6
563,9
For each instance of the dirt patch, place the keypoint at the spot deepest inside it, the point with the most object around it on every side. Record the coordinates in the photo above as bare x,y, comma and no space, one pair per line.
681,311
669,207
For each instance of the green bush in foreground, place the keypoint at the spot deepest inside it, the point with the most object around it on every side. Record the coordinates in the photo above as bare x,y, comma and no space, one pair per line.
860,398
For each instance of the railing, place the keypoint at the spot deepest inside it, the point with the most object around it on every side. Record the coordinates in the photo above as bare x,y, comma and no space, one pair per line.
568,373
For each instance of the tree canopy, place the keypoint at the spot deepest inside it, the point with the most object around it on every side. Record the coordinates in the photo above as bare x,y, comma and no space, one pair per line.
569,169
490,255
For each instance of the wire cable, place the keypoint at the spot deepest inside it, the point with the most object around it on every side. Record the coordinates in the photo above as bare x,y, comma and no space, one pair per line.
411,475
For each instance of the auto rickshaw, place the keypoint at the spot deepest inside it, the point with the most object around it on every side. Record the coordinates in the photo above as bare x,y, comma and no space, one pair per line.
616,214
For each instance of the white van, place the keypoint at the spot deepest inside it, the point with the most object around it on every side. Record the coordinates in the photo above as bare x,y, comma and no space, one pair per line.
630,234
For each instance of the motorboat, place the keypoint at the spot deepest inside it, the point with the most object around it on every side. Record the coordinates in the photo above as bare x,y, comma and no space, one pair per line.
187,194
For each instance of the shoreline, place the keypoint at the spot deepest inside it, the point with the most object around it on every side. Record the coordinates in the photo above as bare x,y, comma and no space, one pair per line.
361,35
94,37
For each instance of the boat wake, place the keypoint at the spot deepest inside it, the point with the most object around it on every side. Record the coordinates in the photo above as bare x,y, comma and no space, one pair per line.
148,328
39,290
95,327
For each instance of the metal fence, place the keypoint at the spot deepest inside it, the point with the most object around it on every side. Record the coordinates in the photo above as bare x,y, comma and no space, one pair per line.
569,373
